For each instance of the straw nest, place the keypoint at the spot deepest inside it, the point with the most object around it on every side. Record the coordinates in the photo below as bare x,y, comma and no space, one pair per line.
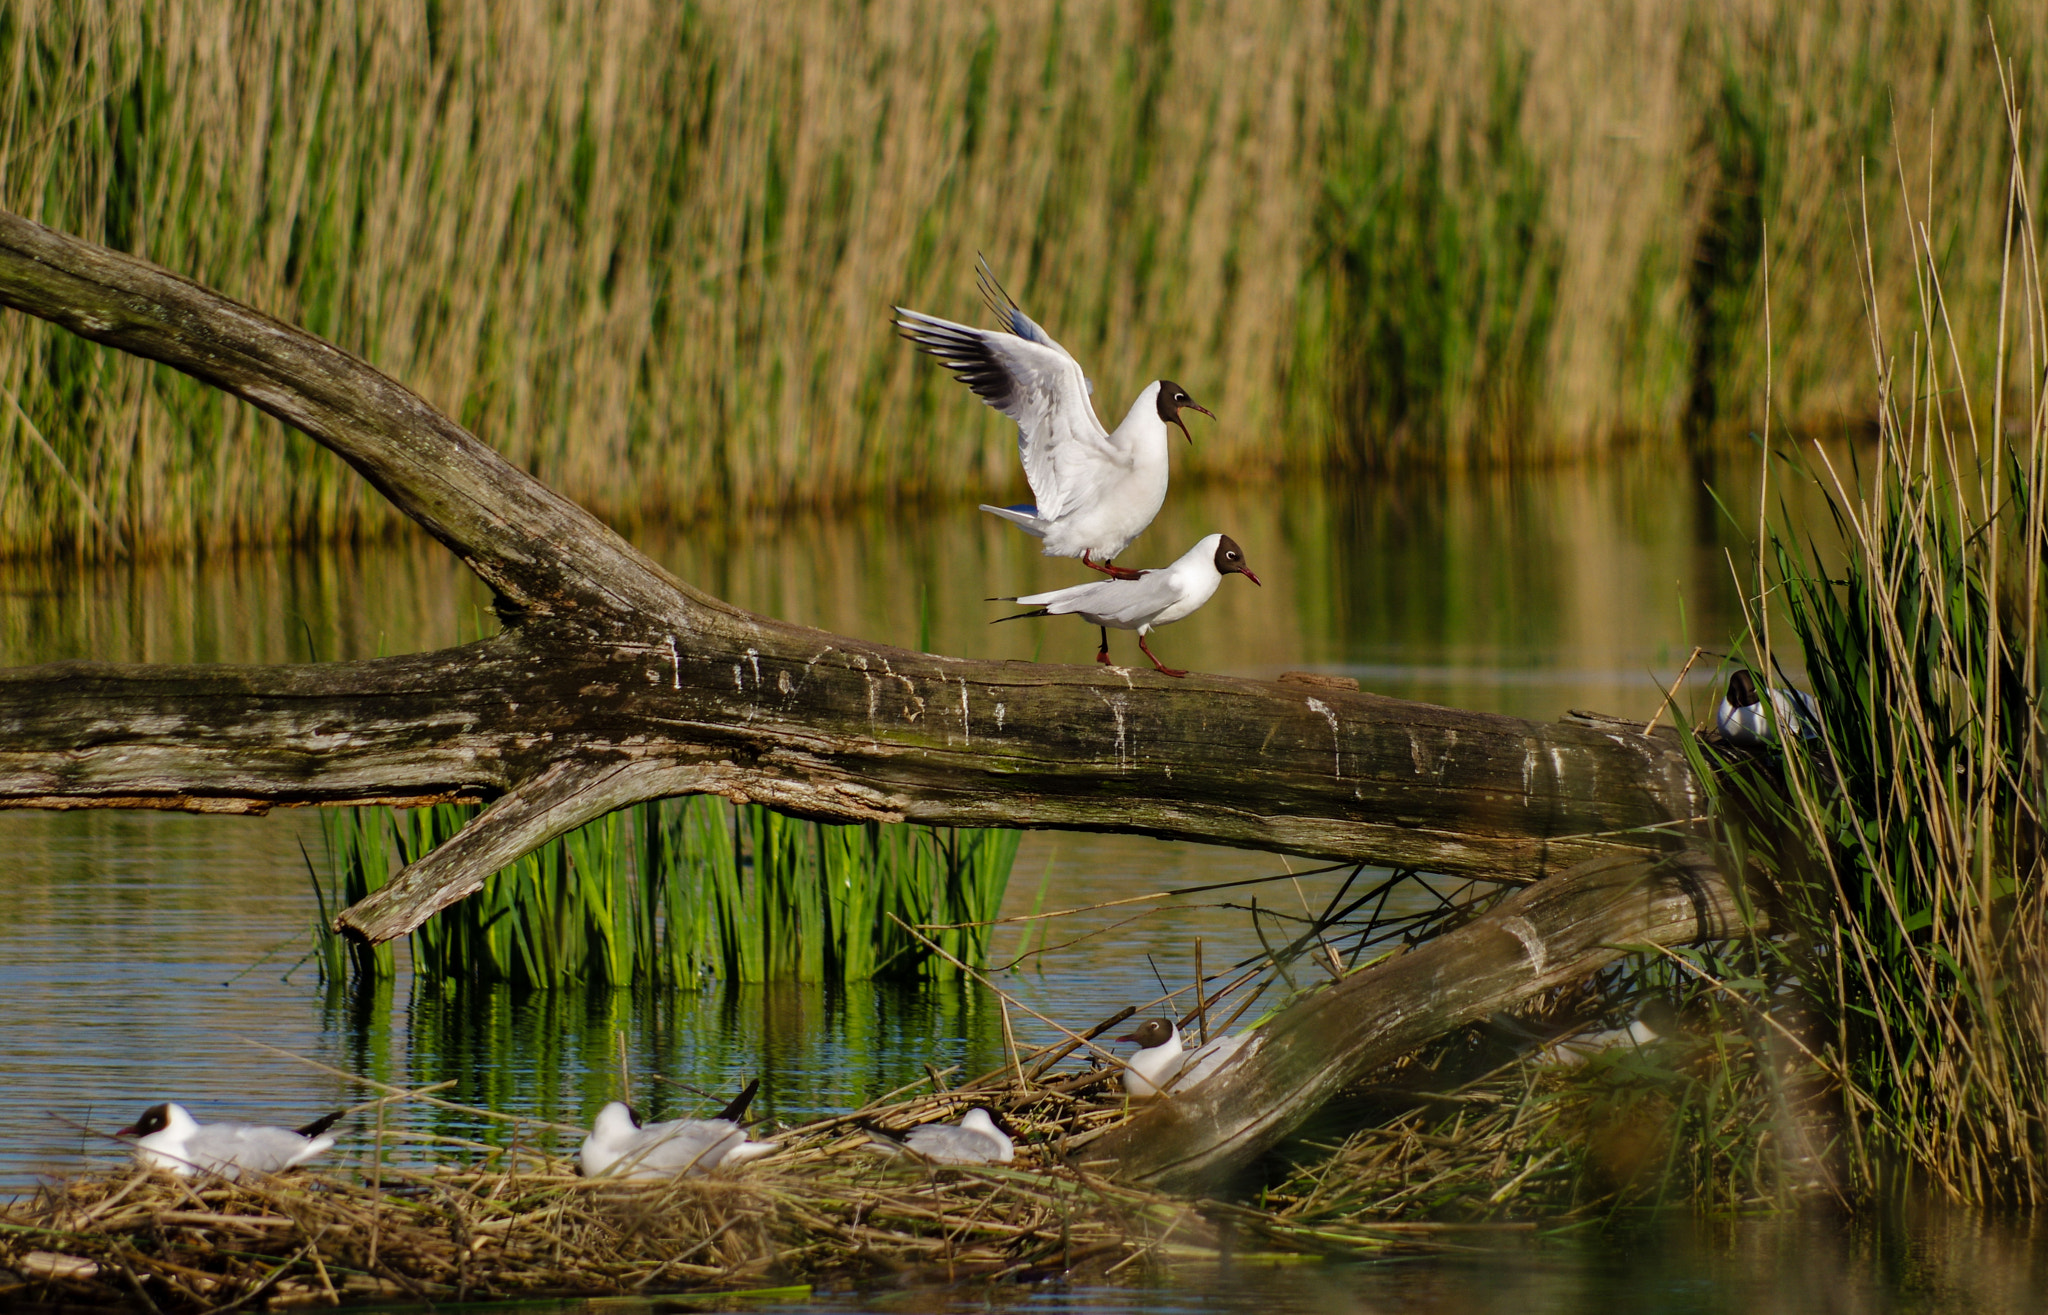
519,1223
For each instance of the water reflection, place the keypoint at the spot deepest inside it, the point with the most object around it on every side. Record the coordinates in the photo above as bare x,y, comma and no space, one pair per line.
1526,594
136,951
1523,593
1943,1263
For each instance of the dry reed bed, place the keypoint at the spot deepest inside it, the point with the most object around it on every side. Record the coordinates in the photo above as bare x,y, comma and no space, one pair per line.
648,252
824,1210
1431,1163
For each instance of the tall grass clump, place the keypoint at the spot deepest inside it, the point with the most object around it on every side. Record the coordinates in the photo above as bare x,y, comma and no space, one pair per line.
1903,845
648,253
682,891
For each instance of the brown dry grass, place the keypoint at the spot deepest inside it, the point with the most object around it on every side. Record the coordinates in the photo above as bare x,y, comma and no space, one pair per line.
648,251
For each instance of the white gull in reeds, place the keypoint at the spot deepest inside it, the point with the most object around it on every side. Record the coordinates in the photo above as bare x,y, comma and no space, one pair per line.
1743,717
1159,1057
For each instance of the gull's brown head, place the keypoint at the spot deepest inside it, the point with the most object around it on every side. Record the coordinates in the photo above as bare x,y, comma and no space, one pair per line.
154,1119
1230,558
1173,399
1152,1032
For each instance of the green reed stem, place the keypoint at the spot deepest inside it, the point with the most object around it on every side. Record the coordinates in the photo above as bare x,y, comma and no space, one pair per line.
677,892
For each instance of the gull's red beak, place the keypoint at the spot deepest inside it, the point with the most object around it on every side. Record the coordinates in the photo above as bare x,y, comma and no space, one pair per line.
1249,576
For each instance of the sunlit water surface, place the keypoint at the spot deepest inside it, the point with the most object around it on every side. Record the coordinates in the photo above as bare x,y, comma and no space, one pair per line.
145,956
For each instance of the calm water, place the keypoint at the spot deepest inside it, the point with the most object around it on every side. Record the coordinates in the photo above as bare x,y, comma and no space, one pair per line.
145,957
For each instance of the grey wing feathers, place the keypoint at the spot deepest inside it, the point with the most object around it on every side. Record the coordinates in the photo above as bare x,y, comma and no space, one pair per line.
1032,380
221,1146
1008,313
950,1145
1124,604
685,1146
979,359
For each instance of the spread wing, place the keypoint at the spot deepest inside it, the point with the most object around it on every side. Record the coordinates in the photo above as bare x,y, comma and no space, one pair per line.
1012,317
1031,379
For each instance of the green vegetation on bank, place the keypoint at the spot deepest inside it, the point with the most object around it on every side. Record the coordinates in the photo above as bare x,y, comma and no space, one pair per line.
650,257
681,891
1901,851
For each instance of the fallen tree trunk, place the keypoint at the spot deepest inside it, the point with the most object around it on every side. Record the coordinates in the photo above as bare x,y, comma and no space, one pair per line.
613,683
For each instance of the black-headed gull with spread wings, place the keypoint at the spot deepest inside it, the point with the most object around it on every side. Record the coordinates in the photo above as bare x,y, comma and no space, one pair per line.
1155,598
1097,488
167,1137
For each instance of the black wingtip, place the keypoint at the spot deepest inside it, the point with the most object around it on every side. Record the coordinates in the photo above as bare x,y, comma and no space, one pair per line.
321,1124
737,1110
1000,303
1019,616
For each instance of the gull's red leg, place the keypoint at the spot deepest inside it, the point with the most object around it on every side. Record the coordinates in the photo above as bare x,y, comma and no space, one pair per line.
1102,654
1110,569
1164,670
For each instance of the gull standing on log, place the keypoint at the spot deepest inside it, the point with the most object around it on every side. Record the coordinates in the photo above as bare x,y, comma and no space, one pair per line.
1097,488
1155,598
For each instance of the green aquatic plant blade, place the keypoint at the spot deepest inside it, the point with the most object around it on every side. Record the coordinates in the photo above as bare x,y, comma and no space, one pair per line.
681,891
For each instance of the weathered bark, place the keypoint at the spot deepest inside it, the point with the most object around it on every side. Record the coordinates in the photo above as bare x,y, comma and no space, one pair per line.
1553,933
613,683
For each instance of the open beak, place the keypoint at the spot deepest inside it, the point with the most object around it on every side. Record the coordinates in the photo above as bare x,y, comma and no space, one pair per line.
1192,406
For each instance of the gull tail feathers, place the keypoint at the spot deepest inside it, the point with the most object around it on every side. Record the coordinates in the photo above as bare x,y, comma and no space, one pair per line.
1024,517
736,1112
321,1124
